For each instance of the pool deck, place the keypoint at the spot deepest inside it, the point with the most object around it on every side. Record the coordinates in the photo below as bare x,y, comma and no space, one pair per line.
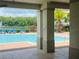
15,45
27,45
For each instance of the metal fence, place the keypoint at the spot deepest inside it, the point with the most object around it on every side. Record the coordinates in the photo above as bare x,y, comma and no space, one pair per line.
8,29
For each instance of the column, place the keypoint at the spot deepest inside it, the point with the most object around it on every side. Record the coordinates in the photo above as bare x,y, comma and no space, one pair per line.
48,30
39,30
74,31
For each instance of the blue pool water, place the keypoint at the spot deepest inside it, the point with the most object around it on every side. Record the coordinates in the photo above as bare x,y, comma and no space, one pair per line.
7,38
61,39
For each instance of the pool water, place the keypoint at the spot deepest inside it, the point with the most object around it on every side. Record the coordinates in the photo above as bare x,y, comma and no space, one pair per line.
12,38
61,39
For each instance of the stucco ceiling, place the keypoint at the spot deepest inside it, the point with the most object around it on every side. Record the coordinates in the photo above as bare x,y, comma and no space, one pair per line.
64,1
39,1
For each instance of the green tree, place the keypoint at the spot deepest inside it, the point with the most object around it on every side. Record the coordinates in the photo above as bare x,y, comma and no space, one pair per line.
59,14
18,21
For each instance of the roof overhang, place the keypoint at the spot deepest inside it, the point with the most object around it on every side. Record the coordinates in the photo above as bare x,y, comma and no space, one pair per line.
38,1
31,4
17,4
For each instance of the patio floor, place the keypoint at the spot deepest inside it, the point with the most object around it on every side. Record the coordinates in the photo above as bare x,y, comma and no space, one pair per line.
60,53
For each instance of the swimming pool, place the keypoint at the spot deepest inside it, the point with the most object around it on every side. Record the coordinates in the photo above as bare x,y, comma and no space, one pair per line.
12,38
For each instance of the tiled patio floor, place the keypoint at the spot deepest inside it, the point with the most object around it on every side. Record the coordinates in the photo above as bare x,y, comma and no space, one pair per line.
60,53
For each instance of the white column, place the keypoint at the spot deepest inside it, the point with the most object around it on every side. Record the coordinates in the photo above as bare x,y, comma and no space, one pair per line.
39,30
48,30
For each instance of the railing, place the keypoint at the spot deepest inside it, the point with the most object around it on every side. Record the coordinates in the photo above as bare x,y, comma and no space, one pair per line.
18,29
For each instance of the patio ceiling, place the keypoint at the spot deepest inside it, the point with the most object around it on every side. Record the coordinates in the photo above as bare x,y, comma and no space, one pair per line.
38,1
33,4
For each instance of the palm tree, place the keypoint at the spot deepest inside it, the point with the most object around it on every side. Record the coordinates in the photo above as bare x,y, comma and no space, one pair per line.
59,15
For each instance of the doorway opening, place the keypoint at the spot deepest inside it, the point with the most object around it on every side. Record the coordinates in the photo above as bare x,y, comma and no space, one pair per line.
18,28
61,27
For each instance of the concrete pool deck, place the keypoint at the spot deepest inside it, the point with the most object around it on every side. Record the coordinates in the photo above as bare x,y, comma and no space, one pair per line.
27,45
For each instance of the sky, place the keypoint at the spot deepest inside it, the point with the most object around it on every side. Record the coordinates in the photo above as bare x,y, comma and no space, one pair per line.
14,12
